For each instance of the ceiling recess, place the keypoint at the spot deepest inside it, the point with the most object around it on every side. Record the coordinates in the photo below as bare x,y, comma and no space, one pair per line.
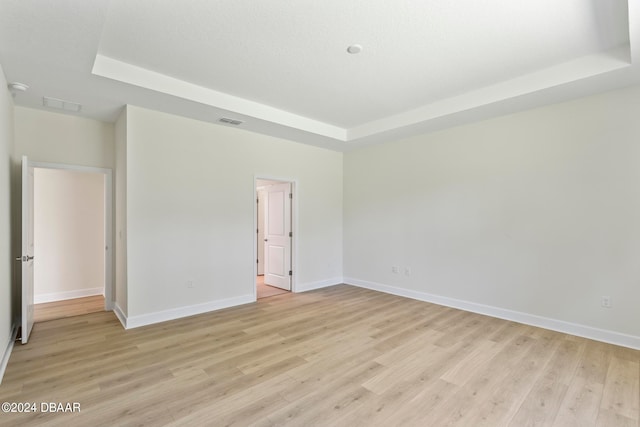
290,78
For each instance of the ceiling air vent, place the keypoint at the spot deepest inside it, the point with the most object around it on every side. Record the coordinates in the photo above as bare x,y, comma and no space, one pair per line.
61,105
231,121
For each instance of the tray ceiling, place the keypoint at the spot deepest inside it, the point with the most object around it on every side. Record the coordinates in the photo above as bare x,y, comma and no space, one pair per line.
282,67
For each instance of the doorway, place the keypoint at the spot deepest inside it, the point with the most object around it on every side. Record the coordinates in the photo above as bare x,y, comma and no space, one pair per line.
71,241
274,237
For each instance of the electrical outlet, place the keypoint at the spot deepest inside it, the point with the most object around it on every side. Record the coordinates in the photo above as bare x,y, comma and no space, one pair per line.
606,302
395,269
190,284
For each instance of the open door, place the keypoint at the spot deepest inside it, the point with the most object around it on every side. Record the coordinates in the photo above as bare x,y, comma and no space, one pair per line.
277,240
27,249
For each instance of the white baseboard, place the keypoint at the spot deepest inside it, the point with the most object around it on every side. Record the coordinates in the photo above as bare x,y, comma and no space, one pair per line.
597,334
120,315
177,313
61,296
7,351
304,287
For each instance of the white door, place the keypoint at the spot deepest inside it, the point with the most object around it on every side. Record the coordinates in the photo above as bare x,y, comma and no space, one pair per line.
27,249
277,240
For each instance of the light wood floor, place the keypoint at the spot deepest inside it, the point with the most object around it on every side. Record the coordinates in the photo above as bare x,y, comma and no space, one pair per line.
264,291
339,356
67,308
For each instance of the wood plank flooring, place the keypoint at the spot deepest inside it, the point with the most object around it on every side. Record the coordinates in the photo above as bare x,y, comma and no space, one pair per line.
265,291
67,308
338,356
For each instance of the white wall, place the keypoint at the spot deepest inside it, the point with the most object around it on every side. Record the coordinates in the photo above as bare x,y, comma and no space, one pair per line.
121,214
6,256
69,234
46,136
190,210
536,212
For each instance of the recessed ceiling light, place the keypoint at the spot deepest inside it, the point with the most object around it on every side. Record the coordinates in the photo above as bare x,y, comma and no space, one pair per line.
354,48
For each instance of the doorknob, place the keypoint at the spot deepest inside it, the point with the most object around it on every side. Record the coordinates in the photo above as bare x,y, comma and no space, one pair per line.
29,258
266,240
18,258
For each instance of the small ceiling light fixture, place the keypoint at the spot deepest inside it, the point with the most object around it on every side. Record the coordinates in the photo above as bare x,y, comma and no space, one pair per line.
354,48
16,87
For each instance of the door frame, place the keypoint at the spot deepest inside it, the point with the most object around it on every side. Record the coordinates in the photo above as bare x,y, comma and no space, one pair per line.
260,231
294,229
108,219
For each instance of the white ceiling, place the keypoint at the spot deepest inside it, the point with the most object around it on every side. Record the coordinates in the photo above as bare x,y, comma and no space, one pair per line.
282,67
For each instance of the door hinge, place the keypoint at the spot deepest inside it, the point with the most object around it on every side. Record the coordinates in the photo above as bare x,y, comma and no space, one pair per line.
291,195
290,234
257,261
290,273
257,200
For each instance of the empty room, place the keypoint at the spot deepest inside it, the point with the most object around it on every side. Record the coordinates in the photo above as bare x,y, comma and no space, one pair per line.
336,213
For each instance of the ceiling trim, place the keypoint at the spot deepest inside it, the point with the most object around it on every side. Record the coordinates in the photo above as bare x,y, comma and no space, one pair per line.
578,69
147,79
581,68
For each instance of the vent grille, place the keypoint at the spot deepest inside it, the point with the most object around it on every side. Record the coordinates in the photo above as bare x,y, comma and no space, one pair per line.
231,121
60,104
